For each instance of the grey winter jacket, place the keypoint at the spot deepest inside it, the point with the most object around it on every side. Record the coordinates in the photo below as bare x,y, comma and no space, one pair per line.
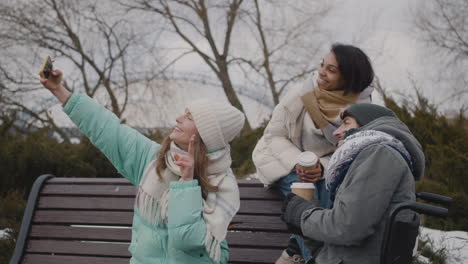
378,178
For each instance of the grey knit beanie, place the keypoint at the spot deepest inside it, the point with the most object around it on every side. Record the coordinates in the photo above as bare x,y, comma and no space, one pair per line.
217,123
365,113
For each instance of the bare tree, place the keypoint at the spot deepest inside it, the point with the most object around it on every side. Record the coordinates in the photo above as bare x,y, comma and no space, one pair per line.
287,41
284,35
444,26
194,20
94,39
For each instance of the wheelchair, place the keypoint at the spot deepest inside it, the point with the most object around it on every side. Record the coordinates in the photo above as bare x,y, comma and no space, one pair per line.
400,235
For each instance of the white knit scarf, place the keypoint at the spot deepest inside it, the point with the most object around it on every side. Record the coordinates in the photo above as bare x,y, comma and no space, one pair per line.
343,157
218,208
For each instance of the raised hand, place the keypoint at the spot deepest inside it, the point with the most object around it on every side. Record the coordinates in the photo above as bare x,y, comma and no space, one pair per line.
54,85
186,162
310,175
54,81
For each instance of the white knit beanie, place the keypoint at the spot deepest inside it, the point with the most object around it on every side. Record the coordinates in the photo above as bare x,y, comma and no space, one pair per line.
217,123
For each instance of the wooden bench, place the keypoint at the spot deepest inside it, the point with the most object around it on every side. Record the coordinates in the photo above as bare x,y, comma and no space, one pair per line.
88,220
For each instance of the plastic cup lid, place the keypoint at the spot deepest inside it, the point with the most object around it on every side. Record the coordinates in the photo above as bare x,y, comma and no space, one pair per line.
307,158
303,185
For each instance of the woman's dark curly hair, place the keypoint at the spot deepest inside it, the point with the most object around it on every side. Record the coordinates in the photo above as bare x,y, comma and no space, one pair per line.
355,67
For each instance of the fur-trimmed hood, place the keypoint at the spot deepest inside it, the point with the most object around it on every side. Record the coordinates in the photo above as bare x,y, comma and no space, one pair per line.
394,127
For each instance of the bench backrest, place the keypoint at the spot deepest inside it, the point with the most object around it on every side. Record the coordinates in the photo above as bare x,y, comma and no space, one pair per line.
88,220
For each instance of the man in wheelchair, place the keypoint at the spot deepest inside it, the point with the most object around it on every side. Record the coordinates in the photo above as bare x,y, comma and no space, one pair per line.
373,170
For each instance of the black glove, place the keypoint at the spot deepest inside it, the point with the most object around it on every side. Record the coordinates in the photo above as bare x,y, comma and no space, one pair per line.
292,209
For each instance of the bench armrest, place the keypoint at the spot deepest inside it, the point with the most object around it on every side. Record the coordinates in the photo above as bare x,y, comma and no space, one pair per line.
27,218
435,198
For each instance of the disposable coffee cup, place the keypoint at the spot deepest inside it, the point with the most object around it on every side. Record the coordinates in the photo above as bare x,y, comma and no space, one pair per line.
303,189
307,160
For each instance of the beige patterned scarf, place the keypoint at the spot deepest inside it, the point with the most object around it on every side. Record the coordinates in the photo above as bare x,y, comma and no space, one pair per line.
324,106
218,208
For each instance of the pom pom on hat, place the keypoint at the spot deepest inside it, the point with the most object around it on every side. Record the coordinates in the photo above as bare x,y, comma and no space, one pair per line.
217,123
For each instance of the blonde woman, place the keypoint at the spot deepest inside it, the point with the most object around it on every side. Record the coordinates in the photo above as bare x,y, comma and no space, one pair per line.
187,194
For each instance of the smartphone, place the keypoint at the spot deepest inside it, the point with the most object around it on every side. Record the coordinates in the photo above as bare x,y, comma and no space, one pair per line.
46,68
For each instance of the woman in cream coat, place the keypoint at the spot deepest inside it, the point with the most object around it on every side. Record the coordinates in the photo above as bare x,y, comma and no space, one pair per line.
304,120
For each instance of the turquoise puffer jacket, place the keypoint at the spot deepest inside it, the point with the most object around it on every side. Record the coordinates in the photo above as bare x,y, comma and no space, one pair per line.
182,240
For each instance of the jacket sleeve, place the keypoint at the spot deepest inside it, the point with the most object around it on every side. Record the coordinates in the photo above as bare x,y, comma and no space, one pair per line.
128,150
186,226
275,155
361,201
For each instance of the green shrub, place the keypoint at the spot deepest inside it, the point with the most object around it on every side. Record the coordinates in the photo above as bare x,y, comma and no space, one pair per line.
445,145
241,151
26,157
11,212
458,210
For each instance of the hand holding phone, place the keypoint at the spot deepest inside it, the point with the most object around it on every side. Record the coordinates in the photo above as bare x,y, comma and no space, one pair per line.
46,68
52,80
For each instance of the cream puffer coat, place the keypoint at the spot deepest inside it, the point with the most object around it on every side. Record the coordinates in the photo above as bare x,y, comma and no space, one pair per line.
275,154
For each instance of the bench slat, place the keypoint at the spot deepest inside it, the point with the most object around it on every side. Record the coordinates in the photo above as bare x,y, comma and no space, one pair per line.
126,204
83,217
258,240
115,234
239,222
242,239
259,193
91,203
60,259
258,223
62,180
82,248
100,190
260,207
258,219
253,255
237,256
86,190
255,227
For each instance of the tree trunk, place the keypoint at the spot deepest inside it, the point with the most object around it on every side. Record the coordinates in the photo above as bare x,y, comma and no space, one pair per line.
223,75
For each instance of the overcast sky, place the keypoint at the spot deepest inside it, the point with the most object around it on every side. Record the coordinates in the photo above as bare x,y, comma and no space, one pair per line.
385,31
